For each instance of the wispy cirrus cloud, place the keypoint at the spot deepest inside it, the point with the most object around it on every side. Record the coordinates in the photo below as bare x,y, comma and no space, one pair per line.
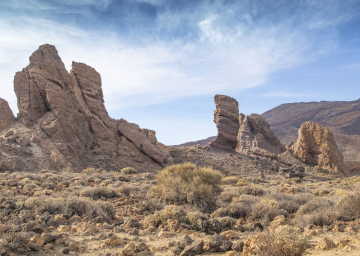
154,51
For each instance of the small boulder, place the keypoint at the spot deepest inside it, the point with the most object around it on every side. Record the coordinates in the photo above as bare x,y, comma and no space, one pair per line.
218,243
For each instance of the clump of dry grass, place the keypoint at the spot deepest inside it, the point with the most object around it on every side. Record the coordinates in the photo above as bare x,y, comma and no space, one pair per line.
283,242
186,183
128,171
15,242
97,192
234,210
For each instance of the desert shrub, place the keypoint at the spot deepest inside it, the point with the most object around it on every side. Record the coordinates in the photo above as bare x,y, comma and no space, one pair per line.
284,242
290,203
15,241
350,206
98,192
321,191
12,183
318,211
128,170
227,222
230,180
246,199
71,206
7,166
252,190
91,170
128,190
193,217
266,211
233,210
186,183
168,213
228,195
150,206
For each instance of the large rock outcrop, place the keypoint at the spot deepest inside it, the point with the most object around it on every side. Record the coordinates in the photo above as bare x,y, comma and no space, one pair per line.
226,117
69,121
255,133
316,146
7,117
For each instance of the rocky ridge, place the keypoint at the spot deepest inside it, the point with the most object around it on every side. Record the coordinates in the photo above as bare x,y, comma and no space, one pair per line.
68,120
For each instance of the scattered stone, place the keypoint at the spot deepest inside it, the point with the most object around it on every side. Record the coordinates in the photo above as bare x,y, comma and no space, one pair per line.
164,234
210,226
142,247
114,241
218,243
238,246
230,234
325,244
129,249
193,249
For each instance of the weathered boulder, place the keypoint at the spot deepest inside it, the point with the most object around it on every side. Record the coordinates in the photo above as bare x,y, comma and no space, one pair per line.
316,146
255,133
69,121
226,117
7,117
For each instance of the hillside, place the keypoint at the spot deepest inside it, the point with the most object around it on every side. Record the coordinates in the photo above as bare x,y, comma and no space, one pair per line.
341,117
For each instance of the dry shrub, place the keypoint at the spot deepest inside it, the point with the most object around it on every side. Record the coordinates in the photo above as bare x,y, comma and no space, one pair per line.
350,206
128,170
266,211
252,190
128,190
228,195
321,191
230,180
15,242
233,210
168,213
149,206
291,203
7,166
284,242
227,222
71,206
98,192
318,211
186,183
91,170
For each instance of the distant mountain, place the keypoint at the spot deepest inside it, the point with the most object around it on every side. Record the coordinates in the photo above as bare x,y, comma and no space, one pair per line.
200,142
341,117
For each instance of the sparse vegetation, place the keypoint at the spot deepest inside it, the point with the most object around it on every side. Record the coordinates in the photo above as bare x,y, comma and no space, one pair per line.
186,183
128,171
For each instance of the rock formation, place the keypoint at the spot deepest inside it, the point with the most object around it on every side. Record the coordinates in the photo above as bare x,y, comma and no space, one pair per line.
255,133
7,117
226,117
69,121
316,146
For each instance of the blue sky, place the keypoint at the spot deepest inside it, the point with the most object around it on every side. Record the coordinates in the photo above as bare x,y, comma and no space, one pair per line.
162,61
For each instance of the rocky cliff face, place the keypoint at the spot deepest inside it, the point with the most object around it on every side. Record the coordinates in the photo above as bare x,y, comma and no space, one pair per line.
69,121
7,116
226,117
239,132
255,133
316,146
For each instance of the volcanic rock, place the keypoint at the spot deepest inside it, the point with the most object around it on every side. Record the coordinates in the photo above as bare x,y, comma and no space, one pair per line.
69,121
255,133
7,117
316,146
226,117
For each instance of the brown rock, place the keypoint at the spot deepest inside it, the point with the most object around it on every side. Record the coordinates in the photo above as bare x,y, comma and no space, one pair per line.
325,244
226,117
255,133
316,146
193,249
129,249
70,124
7,117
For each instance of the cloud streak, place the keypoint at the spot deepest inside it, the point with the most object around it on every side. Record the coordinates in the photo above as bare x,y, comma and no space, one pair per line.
175,48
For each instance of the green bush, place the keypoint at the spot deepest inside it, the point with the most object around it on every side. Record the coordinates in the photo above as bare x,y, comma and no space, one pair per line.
186,183
128,170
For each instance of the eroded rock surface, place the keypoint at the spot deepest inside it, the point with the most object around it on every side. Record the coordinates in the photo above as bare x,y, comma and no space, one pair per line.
7,117
69,121
316,146
226,117
255,133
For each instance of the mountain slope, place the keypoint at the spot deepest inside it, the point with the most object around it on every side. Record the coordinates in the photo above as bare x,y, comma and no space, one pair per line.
341,117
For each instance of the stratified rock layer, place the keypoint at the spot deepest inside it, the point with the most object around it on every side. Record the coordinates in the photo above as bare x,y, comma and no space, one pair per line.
316,146
7,117
70,123
255,133
226,117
